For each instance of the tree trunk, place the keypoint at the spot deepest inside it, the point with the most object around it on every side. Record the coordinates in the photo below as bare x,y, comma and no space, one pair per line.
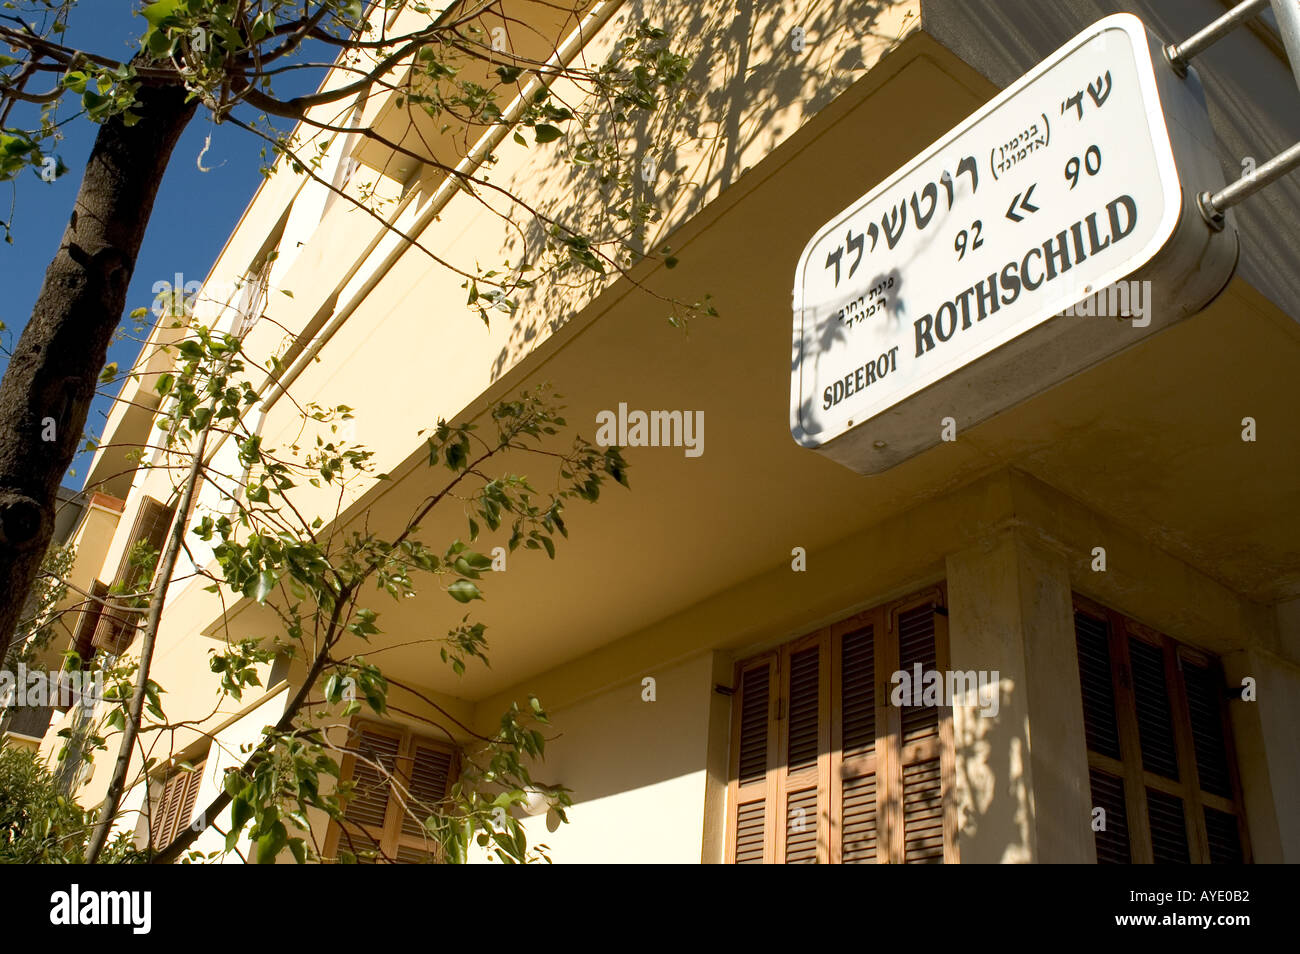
52,375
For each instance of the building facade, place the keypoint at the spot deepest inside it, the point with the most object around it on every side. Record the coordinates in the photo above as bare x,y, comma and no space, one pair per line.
1104,581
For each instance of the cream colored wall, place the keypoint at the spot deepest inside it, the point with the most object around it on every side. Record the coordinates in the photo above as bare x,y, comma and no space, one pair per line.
1268,752
93,540
638,770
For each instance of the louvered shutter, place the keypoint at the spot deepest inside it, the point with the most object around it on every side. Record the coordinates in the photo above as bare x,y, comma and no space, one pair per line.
427,773
805,747
1223,834
407,855
193,780
174,808
860,836
1168,828
163,816
1096,681
1151,696
1204,687
753,752
1159,752
401,779
83,639
919,755
824,769
1112,839
366,811
116,628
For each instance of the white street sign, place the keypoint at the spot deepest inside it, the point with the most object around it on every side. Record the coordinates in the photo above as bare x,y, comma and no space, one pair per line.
909,305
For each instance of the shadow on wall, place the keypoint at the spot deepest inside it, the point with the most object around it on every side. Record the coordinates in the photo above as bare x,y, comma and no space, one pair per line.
992,792
757,74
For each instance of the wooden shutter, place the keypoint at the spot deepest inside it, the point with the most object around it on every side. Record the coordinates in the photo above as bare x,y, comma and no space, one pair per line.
823,769
856,720
1204,686
174,806
1097,683
1112,837
1151,695
116,627
401,778
926,829
83,639
427,777
366,811
163,814
1159,750
1223,837
1168,828
753,748
803,755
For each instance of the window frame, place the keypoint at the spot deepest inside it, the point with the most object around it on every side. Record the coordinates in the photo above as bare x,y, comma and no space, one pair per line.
389,839
189,781
889,754
1129,768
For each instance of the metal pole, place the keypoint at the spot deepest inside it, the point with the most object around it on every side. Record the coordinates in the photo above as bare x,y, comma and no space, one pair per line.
1212,206
1180,54
1287,13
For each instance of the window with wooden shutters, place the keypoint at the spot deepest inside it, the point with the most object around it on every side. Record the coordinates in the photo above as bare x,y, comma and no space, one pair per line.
116,627
172,808
400,778
823,768
1160,761
83,638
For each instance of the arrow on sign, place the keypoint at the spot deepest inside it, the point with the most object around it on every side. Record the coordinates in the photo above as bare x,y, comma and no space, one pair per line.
1024,204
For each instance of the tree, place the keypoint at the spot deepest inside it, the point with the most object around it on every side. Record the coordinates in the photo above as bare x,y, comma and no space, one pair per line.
319,576
38,823
222,59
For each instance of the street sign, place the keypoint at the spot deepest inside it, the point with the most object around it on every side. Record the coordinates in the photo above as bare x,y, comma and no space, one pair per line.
973,278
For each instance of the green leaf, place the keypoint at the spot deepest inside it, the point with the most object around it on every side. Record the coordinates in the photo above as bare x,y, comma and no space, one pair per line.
241,810
270,844
75,80
463,591
158,42
545,132
265,583
158,12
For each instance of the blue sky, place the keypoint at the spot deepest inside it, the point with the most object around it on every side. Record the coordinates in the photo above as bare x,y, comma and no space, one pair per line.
194,213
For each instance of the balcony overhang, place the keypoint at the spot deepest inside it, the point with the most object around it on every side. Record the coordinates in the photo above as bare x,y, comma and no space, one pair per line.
1150,439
